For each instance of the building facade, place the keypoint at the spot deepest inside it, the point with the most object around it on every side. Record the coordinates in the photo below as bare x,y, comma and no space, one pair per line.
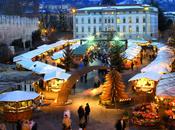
16,27
130,21
170,16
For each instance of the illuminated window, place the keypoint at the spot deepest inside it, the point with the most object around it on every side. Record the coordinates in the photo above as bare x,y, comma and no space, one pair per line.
118,20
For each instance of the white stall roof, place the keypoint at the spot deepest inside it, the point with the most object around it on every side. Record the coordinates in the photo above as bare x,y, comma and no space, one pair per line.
16,96
166,87
132,52
26,63
58,55
149,75
169,75
42,68
56,74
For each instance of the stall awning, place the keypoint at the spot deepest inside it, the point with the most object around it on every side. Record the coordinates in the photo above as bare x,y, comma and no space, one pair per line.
16,96
169,75
149,75
57,75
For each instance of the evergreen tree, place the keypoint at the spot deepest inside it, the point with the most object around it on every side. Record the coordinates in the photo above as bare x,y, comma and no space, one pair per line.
115,56
108,2
114,88
68,58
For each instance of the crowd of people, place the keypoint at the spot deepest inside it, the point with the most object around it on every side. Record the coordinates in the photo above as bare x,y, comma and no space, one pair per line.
83,114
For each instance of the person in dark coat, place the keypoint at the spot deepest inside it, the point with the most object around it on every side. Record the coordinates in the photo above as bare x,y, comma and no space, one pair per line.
35,126
87,112
80,112
132,65
18,125
120,125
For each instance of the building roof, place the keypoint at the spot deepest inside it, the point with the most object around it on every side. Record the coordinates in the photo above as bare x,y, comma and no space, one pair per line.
56,74
16,96
119,7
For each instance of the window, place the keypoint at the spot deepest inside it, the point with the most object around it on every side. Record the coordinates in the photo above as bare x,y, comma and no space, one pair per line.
89,20
82,29
82,20
118,29
144,29
130,29
76,29
124,29
144,20
105,20
109,20
118,20
100,28
130,20
112,20
137,20
76,20
100,20
94,30
94,20
124,20
137,28
89,29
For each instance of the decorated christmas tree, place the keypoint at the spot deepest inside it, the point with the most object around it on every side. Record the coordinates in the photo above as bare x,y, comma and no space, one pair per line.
113,89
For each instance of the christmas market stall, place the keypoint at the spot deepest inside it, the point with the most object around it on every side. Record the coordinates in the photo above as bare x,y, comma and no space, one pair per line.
54,80
17,105
145,82
165,94
163,62
131,56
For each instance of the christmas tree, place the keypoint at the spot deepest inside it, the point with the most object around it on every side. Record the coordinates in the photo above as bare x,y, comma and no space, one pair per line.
113,88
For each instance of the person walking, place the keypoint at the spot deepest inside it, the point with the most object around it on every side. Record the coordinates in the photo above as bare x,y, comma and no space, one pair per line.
132,65
18,125
87,112
120,125
66,123
80,112
26,125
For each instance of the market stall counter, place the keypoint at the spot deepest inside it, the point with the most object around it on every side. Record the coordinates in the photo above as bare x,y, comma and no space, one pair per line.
17,105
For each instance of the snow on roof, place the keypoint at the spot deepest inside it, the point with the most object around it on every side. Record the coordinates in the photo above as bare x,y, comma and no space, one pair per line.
56,74
132,52
149,75
26,63
163,61
16,96
58,55
112,7
43,68
166,87
169,75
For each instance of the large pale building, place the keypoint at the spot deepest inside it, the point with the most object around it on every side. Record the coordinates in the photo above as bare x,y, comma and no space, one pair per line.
16,27
128,21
